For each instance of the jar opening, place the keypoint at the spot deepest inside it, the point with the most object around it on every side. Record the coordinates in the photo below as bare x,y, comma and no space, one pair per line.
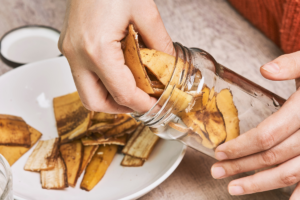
163,111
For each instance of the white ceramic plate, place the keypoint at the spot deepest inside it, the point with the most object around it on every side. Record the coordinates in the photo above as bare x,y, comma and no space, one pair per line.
28,92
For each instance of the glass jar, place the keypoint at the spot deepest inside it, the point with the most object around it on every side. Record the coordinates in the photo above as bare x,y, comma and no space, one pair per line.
206,104
5,180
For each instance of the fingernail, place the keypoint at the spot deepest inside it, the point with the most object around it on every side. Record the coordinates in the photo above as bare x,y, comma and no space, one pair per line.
236,190
221,156
271,67
218,172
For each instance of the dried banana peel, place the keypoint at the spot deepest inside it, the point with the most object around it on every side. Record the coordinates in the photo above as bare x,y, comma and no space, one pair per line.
105,126
101,127
98,166
13,153
121,128
229,112
157,92
43,156
103,117
102,140
129,161
132,138
14,131
205,92
133,61
214,123
55,178
200,102
88,153
162,65
212,93
72,118
157,85
143,144
195,121
72,154
178,127
179,100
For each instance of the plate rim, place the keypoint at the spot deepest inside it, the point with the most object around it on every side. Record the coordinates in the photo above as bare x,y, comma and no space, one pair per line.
135,195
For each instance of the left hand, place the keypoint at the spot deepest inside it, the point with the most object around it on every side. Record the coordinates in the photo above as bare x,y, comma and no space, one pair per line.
275,141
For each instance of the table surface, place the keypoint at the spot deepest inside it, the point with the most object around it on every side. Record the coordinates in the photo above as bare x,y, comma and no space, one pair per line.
212,25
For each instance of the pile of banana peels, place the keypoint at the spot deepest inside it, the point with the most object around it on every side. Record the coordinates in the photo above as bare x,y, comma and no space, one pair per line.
88,141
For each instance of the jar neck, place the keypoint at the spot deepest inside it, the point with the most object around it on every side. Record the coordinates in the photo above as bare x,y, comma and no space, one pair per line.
188,61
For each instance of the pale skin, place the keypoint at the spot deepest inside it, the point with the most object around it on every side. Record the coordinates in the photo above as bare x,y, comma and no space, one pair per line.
90,40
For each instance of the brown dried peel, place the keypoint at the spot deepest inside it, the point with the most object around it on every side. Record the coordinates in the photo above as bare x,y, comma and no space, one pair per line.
72,153
14,131
43,156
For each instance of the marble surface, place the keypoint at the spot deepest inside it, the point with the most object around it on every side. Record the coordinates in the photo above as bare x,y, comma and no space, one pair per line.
212,25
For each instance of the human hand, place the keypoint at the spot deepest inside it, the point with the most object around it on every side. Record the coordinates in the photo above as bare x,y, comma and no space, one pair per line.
273,142
90,40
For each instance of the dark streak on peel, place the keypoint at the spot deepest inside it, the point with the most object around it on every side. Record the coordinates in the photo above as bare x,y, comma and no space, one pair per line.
73,119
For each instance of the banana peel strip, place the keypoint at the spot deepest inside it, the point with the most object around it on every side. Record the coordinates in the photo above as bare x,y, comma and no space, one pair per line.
121,128
134,62
55,178
132,138
72,154
79,132
103,117
43,156
13,153
105,126
229,112
113,140
98,166
71,116
129,161
88,153
12,124
143,144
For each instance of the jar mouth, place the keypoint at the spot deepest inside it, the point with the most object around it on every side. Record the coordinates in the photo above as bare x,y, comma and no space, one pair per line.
8,176
161,113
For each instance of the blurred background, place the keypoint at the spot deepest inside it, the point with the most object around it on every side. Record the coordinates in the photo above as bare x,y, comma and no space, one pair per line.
212,25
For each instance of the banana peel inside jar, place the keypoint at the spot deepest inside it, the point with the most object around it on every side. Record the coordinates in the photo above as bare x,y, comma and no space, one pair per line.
153,71
211,115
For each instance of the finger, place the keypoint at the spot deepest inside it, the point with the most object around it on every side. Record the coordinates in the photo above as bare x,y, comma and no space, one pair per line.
119,81
284,175
150,26
282,152
296,193
267,134
92,92
285,67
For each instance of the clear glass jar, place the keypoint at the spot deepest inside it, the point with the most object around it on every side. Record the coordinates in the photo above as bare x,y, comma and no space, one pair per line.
203,99
6,192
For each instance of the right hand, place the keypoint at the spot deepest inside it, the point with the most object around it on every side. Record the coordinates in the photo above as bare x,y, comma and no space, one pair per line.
90,40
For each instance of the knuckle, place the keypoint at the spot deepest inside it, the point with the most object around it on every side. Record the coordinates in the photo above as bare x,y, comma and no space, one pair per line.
265,141
289,178
123,99
93,106
236,167
254,187
66,47
269,158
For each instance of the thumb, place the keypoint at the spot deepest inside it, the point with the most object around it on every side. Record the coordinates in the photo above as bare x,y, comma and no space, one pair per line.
285,67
